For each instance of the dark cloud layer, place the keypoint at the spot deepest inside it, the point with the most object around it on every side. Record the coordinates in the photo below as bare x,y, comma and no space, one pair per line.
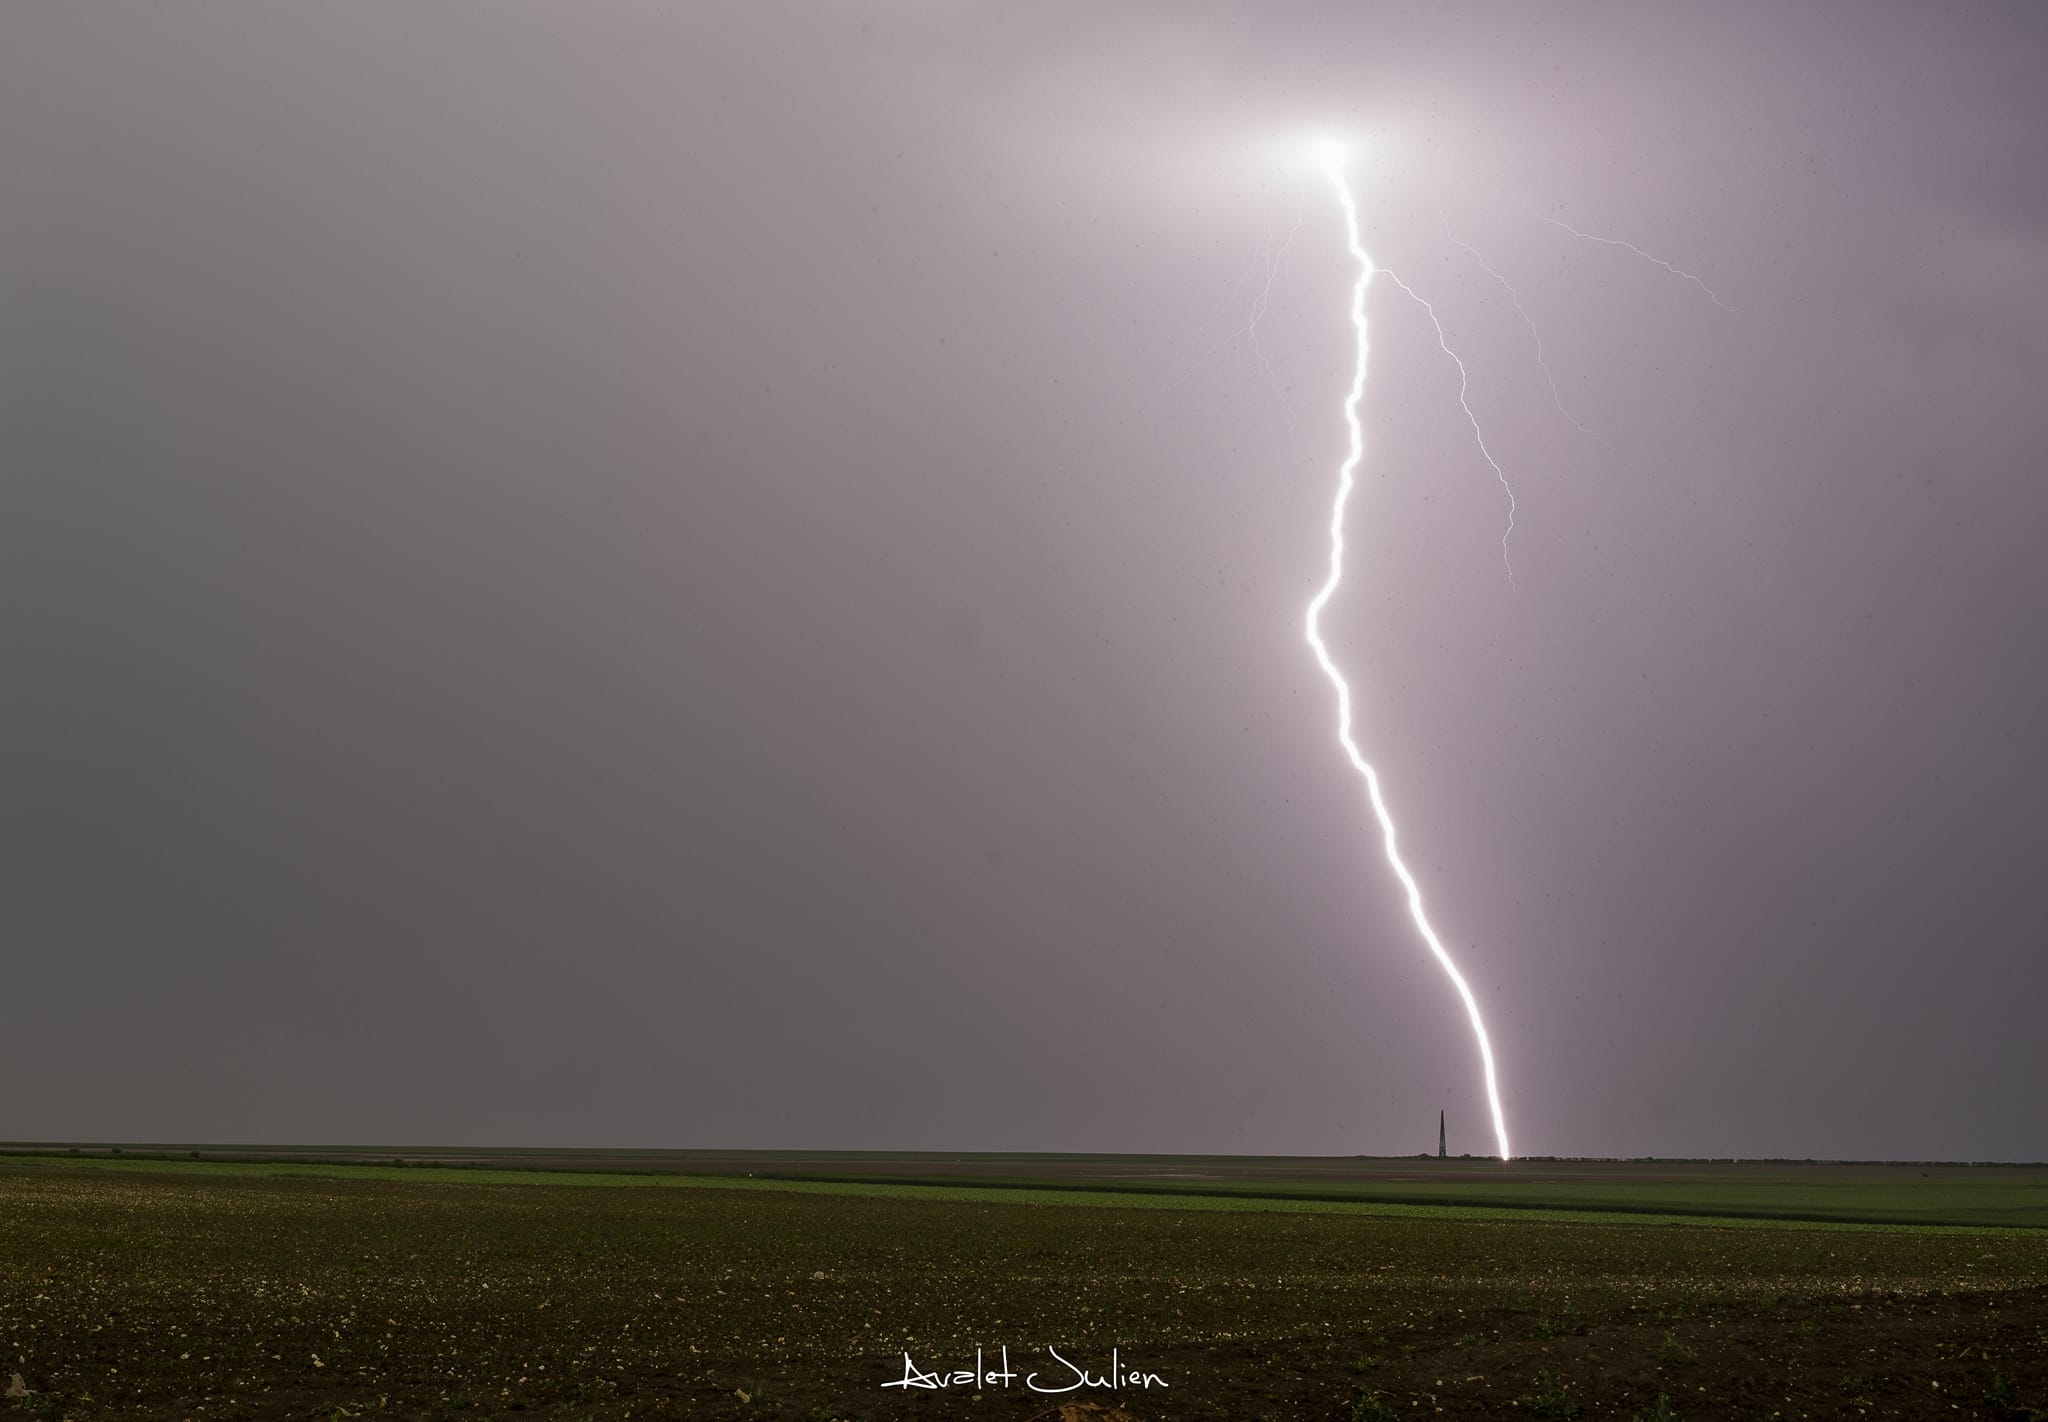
731,575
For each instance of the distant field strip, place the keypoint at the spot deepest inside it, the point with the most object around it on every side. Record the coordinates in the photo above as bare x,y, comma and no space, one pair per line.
1843,1205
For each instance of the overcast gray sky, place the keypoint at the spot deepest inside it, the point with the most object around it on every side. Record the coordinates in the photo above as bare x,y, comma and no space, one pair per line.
732,575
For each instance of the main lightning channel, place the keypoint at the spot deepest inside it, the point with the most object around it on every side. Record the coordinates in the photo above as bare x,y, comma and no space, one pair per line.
1347,479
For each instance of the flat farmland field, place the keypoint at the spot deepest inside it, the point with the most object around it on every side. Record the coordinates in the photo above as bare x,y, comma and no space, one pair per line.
316,1289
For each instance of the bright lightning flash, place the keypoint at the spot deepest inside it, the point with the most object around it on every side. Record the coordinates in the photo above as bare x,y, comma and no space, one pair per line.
1330,156
1327,152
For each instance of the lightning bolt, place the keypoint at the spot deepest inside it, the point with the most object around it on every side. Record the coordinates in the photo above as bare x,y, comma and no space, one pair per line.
1347,478
1464,385
1617,242
1515,299
1259,308
1265,263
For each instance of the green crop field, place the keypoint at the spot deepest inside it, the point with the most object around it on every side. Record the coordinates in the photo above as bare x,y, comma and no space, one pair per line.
1764,1191
315,1289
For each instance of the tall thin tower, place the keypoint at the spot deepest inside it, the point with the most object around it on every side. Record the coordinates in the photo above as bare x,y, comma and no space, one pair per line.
1439,1135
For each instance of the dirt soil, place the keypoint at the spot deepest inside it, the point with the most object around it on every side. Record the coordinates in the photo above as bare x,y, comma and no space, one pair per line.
245,1296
